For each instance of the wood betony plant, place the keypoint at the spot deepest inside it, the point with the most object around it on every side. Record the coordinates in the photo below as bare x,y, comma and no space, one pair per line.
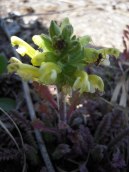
60,60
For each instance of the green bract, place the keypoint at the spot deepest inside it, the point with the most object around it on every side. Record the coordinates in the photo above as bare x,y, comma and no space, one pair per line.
61,60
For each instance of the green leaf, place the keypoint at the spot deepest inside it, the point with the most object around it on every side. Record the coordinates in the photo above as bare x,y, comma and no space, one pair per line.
67,32
47,43
54,29
85,40
76,59
7,104
3,64
76,53
74,47
73,37
69,69
64,23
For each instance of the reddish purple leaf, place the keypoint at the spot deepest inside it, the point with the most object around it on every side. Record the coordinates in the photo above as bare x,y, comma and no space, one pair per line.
43,108
38,124
44,93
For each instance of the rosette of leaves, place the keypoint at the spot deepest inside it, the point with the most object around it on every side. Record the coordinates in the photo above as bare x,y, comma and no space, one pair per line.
61,59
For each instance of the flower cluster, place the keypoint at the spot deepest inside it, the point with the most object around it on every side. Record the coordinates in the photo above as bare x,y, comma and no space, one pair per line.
60,59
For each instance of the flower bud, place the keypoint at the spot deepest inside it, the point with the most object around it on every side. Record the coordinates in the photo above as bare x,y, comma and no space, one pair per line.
54,29
67,32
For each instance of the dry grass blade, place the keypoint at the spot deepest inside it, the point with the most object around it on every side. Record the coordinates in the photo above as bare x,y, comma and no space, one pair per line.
116,91
24,156
121,90
9,133
123,99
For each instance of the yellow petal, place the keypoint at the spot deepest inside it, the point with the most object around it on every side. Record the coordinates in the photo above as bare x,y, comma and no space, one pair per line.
28,72
81,83
96,82
24,48
14,60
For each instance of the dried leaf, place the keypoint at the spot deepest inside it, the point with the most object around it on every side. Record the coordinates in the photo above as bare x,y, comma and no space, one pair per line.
116,91
123,99
38,124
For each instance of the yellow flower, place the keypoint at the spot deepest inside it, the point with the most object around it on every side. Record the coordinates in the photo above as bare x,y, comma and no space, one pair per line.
49,72
24,48
37,39
82,82
26,71
38,59
96,82
14,60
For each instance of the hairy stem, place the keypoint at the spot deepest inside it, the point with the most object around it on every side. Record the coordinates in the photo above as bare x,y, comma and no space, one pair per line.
62,108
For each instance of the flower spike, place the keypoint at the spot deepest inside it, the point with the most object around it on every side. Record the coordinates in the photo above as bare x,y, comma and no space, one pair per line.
62,59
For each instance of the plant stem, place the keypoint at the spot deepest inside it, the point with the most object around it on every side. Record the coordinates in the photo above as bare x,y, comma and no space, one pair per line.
57,96
65,109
